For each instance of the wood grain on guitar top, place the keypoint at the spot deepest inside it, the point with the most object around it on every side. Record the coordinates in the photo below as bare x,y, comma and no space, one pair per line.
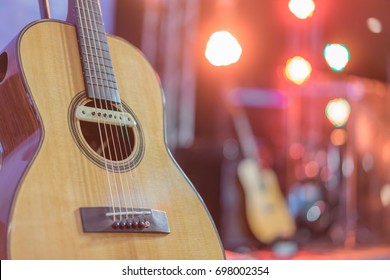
45,222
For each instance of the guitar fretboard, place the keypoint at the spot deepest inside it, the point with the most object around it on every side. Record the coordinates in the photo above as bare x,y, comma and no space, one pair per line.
97,66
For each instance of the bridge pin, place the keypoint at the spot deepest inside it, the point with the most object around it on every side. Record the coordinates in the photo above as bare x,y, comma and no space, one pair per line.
128,224
141,225
122,224
115,225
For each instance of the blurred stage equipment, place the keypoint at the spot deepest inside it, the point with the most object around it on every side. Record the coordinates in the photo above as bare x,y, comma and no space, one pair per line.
348,121
266,209
169,42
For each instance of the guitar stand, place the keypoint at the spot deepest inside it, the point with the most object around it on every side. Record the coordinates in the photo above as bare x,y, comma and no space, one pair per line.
44,8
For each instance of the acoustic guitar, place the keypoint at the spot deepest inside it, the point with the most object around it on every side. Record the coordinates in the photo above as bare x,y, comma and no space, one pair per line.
266,210
85,172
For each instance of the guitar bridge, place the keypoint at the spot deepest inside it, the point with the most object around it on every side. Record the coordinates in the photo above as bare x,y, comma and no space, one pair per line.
136,220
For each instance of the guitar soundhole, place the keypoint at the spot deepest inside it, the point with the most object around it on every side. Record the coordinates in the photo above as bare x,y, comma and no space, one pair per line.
112,142
110,135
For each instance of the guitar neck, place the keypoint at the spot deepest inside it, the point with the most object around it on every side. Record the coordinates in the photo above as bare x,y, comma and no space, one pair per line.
245,135
96,61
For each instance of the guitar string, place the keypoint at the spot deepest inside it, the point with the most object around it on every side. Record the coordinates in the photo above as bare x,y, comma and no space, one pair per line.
134,178
123,126
83,39
101,91
89,64
121,121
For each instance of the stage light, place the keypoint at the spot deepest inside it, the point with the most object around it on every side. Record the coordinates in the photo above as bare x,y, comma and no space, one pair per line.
297,70
337,56
374,25
302,9
311,169
338,137
337,111
385,195
296,151
223,49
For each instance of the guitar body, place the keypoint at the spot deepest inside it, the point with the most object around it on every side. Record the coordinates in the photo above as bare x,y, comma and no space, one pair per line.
46,175
266,211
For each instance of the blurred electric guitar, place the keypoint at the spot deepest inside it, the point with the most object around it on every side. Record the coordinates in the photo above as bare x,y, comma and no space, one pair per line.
84,169
266,210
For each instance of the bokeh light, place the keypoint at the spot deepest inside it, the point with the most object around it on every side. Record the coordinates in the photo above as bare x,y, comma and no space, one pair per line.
337,111
223,49
297,70
302,9
337,56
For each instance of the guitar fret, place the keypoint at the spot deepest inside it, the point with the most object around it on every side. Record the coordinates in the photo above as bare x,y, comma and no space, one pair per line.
108,68
97,53
91,40
89,27
106,71
88,11
99,84
91,11
103,49
87,23
94,3
93,47
96,92
92,58
106,77
94,55
101,87
100,74
95,9
90,21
